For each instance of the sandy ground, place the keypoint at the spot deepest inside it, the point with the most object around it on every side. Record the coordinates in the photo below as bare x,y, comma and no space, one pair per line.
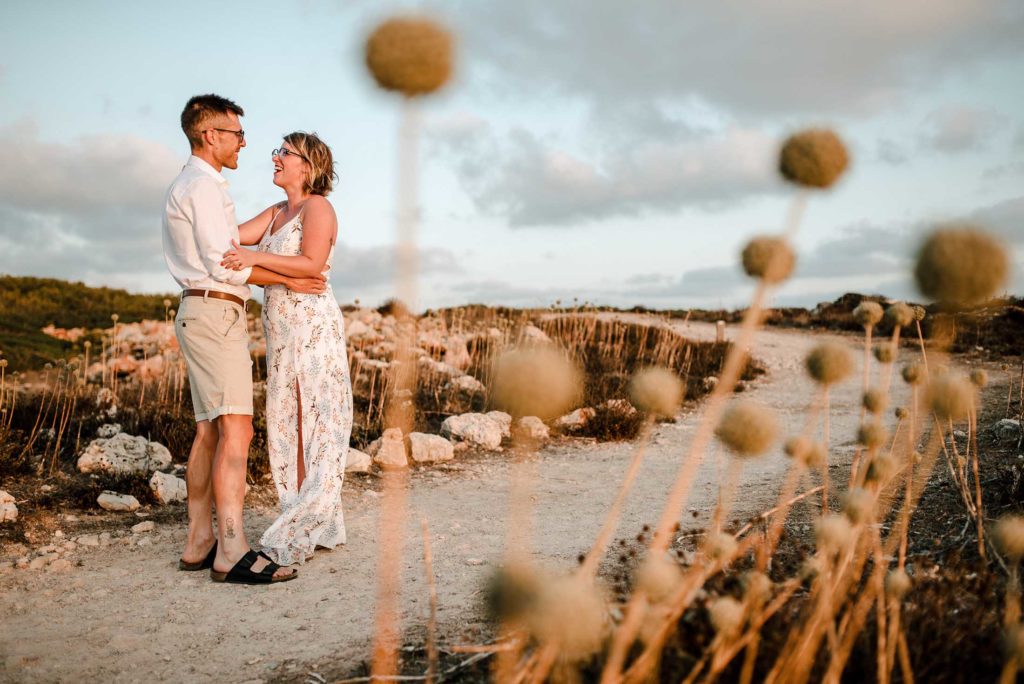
125,614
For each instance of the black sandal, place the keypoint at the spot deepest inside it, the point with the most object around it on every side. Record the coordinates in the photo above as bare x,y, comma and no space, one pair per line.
242,573
204,564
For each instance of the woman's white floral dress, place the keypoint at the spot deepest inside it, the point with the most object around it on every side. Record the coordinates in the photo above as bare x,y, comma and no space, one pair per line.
305,344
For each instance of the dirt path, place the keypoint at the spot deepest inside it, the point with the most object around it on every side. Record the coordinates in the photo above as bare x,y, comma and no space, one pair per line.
125,614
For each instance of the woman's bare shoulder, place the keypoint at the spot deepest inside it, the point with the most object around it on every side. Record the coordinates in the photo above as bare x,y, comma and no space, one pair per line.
318,205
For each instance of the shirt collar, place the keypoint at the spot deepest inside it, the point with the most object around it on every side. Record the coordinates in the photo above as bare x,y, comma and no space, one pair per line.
205,167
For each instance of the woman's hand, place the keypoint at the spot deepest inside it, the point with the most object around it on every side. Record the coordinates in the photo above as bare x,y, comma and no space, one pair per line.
237,258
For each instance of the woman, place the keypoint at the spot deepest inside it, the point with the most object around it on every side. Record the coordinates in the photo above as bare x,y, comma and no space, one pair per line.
309,393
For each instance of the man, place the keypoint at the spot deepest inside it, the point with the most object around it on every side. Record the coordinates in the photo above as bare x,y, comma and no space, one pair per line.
199,225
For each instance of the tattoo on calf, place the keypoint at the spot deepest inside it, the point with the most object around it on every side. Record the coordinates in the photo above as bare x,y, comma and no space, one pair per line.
230,528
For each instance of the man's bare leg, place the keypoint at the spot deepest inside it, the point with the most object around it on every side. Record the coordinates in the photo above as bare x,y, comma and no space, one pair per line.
234,436
200,493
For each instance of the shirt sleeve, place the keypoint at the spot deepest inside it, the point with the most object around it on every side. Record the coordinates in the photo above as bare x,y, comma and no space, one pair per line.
213,231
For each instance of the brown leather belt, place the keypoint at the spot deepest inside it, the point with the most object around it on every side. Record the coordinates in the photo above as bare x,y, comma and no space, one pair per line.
214,294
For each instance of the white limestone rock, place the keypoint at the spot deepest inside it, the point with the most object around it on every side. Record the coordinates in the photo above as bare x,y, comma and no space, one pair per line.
389,450
357,461
465,384
620,406
88,540
456,354
429,365
1006,430
144,526
575,420
426,448
8,509
532,335
108,430
112,501
533,428
124,454
59,565
504,420
476,428
356,328
168,488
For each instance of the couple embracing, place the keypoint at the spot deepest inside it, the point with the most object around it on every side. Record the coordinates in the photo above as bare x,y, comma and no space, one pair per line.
308,391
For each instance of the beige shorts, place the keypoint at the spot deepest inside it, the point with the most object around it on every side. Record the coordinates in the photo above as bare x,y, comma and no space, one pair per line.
214,339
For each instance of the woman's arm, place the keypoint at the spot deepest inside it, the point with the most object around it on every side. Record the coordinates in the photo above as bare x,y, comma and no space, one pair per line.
319,226
250,232
261,277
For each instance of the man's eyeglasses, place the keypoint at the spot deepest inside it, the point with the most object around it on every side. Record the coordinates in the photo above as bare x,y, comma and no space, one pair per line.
282,153
240,134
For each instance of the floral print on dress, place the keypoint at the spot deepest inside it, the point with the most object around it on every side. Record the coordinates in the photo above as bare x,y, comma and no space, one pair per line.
305,343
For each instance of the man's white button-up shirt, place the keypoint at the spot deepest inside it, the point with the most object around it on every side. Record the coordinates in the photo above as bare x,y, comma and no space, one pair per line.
199,225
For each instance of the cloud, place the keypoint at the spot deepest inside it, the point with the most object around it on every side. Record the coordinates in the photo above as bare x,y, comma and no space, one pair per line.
861,257
367,267
959,128
681,106
85,177
891,152
1004,219
751,59
89,209
532,182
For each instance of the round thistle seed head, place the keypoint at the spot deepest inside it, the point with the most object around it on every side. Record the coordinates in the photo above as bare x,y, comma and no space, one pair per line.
868,313
410,55
811,567
833,533
769,258
874,401
659,577
806,452
720,546
87,344
167,303
757,586
115,317
912,373
897,583
901,412
950,396
570,613
817,457
813,158
1008,534
512,591
858,505
829,363
537,381
919,312
726,614
884,353
872,435
961,263
3,363
797,447
657,391
881,468
899,314
748,429
979,378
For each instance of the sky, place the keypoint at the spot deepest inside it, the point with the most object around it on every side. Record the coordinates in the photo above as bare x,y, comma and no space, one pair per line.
600,151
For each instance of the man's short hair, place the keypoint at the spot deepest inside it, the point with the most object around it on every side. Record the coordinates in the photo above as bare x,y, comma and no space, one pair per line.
199,111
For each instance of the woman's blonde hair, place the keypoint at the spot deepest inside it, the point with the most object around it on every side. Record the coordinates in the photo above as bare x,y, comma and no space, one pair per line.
321,177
